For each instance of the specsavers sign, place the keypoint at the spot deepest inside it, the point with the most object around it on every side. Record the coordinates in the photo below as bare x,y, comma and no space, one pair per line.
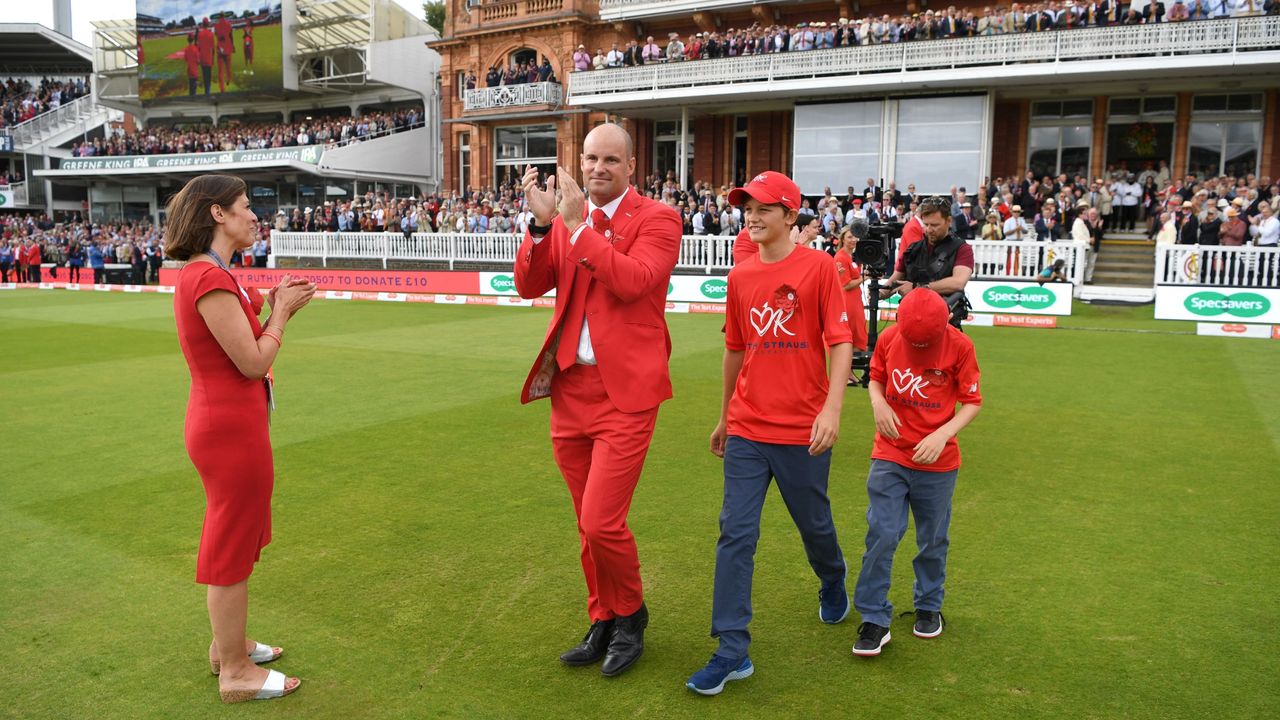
698,288
682,288
6,198
501,283
1217,304
1019,297
309,154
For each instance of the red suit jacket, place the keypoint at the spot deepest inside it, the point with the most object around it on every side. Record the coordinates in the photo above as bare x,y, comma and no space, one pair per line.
626,305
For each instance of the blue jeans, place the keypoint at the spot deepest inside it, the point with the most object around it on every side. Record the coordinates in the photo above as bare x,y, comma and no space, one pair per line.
749,467
891,490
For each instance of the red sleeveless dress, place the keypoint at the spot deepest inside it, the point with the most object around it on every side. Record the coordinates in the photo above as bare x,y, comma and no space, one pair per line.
226,433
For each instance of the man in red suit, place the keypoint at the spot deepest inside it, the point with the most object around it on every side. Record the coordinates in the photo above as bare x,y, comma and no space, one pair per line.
226,48
205,44
609,257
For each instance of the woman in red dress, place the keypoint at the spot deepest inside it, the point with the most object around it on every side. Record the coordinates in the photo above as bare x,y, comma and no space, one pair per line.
229,354
851,282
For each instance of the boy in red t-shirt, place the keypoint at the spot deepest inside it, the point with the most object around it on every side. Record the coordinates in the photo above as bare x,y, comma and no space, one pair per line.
779,416
921,368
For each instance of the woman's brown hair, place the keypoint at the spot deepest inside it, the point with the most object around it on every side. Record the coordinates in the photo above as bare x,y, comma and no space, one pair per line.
189,224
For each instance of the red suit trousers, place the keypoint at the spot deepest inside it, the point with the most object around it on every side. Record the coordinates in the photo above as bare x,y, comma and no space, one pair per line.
600,451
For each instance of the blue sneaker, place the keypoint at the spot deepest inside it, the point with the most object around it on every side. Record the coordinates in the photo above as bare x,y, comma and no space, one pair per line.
833,603
710,680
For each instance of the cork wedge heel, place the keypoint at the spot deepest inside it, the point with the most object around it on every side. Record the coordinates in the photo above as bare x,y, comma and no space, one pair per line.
274,687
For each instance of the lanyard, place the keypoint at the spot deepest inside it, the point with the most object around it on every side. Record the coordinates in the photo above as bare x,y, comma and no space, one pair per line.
217,260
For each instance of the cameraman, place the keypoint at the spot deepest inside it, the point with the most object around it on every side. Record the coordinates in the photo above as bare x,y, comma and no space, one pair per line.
939,261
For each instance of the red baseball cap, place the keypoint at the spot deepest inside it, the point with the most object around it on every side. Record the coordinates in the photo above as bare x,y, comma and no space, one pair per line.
922,320
769,187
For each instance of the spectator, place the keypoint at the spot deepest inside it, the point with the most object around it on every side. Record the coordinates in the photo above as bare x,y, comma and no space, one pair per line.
675,48
651,53
1048,227
1188,224
614,58
1211,228
1265,226
1235,230
966,225
6,260
581,59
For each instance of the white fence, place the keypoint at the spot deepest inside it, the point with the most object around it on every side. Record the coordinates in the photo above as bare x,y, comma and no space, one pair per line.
425,247
1217,265
1205,36
1021,260
1003,259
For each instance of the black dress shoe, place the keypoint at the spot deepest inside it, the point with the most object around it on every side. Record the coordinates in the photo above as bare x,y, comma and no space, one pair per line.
627,642
593,645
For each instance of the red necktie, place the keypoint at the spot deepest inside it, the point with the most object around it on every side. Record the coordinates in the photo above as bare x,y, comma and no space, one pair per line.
600,223
571,327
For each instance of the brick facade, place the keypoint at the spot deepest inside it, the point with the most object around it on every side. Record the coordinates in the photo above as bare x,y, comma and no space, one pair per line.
482,36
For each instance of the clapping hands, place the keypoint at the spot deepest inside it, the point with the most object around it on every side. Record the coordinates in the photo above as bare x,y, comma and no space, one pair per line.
542,202
291,294
569,202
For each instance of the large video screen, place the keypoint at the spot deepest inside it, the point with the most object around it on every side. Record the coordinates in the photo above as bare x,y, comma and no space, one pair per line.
202,50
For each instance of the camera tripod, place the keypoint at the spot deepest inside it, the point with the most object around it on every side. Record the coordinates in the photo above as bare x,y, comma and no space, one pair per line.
860,372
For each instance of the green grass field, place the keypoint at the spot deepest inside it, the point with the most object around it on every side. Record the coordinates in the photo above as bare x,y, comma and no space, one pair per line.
1115,542
166,74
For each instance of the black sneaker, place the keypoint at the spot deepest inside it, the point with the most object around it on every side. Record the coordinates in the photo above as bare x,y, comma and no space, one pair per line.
928,624
871,638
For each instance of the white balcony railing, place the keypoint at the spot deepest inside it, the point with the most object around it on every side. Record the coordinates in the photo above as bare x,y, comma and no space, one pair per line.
994,260
611,10
41,126
19,190
1231,35
1243,266
508,96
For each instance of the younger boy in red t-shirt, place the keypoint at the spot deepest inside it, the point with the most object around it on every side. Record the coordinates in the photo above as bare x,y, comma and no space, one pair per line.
921,368
779,416
191,55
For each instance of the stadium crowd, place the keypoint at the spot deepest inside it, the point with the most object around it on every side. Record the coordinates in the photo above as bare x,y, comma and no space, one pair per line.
516,73
159,140
1208,211
830,32
27,240
21,101
9,173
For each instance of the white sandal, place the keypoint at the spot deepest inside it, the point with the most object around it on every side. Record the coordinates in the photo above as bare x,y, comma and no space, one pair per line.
261,654
274,687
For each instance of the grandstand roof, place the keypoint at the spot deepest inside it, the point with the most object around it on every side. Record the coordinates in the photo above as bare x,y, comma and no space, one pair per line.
31,49
323,25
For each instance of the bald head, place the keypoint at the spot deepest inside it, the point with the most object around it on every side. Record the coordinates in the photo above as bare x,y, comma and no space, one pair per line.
612,134
608,159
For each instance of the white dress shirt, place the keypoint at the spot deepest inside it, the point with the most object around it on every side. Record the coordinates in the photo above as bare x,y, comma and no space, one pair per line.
1267,232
